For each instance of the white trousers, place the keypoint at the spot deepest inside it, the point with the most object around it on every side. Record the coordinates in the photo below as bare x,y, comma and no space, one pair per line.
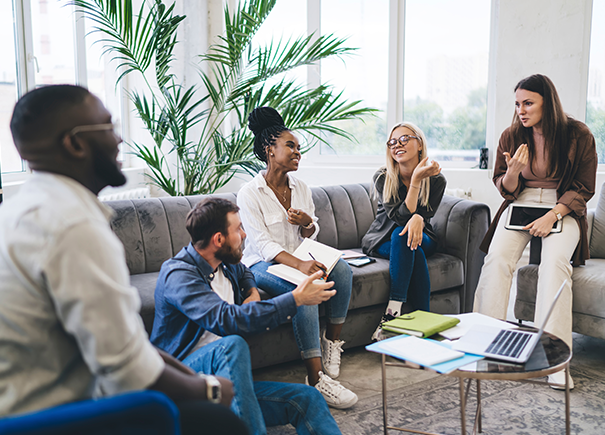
506,248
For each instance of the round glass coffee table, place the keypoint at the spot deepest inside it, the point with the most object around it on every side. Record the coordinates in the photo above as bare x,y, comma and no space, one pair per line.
550,356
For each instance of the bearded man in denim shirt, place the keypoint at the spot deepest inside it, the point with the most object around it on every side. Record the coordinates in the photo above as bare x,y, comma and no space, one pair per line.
205,300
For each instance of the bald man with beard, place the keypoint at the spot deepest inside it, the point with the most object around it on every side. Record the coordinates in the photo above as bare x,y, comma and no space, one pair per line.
69,323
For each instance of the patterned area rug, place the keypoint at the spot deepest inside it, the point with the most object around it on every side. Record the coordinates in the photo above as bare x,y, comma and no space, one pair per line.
508,408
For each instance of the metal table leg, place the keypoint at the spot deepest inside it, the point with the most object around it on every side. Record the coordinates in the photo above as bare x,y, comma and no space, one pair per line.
462,408
384,394
567,398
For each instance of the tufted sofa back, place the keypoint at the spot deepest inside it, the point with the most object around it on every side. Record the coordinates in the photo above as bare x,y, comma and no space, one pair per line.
153,230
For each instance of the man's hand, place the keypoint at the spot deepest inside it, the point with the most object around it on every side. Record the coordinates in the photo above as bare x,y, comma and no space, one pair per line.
414,229
226,391
311,293
541,227
181,383
253,296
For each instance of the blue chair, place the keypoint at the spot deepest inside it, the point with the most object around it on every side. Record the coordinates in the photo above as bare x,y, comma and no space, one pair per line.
137,413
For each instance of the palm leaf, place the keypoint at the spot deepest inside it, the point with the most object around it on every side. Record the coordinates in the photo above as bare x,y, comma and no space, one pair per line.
232,85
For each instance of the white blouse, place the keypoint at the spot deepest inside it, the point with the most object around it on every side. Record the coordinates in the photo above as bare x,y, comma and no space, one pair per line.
266,220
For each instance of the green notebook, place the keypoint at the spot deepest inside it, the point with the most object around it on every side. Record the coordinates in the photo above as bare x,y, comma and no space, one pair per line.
420,323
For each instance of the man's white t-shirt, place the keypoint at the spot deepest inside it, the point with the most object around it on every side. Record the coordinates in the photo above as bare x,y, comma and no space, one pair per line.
221,286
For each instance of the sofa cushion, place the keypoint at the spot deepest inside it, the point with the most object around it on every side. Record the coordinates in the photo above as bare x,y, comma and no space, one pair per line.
588,294
145,284
344,214
597,247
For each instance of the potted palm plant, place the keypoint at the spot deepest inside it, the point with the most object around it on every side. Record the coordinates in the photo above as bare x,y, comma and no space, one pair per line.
236,76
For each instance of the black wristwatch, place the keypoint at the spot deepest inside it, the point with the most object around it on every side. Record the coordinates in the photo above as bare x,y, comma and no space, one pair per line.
213,388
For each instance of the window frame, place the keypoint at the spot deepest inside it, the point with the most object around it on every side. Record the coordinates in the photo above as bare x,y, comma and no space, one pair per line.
25,74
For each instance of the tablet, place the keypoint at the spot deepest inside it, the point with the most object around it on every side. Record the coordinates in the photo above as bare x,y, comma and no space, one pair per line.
361,261
521,215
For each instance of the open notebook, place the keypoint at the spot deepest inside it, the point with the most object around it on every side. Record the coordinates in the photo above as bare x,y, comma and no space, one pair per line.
325,254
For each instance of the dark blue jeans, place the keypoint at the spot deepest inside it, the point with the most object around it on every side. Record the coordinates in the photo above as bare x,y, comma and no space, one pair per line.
408,269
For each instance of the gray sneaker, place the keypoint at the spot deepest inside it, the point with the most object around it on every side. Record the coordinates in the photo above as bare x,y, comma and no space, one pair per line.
377,335
335,394
330,355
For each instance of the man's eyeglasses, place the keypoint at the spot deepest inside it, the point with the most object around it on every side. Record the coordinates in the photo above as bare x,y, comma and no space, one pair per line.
95,127
403,140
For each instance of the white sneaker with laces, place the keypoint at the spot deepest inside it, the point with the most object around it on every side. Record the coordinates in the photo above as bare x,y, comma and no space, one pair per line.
335,394
330,355
556,381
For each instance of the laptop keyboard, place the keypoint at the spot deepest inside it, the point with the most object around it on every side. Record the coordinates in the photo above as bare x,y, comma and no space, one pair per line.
509,343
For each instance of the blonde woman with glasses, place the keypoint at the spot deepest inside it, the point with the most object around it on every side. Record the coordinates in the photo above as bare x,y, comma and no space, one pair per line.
409,190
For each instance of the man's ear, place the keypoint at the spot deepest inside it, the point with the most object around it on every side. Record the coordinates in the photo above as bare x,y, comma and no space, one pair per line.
218,239
75,146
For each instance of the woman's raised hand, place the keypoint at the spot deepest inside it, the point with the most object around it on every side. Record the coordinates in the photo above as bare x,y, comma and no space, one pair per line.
422,170
516,163
299,217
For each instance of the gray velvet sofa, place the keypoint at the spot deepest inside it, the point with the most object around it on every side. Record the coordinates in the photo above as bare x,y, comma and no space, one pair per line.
588,281
153,230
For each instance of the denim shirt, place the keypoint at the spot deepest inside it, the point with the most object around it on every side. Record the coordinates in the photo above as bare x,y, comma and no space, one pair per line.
186,305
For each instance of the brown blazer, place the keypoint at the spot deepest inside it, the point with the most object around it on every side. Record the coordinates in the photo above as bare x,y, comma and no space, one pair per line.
576,187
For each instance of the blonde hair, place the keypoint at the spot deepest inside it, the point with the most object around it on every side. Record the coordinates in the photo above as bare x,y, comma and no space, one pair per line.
391,170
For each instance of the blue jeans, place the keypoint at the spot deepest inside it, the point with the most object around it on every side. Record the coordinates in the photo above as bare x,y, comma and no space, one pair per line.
306,321
408,269
262,404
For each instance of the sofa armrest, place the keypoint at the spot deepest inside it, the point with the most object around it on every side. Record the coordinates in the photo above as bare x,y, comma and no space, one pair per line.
461,225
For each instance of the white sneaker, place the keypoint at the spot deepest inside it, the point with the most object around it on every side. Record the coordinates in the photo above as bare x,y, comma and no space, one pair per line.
330,355
335,394
557,381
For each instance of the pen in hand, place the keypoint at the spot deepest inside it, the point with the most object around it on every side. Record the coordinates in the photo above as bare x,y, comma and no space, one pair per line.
321,268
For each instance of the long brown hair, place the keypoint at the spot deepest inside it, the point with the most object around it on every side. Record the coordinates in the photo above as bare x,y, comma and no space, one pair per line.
554,125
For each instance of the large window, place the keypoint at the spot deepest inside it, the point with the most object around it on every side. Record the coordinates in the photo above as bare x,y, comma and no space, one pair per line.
362,75
54,47
445,48
9,158
446,63
53,42
595,102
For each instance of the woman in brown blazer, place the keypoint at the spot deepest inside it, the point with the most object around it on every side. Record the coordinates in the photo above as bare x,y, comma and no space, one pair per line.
545,157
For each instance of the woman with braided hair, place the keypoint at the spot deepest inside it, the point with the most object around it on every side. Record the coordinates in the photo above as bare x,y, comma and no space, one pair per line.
277,211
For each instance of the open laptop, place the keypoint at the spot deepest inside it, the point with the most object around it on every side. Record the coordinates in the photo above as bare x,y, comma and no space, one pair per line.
503,344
